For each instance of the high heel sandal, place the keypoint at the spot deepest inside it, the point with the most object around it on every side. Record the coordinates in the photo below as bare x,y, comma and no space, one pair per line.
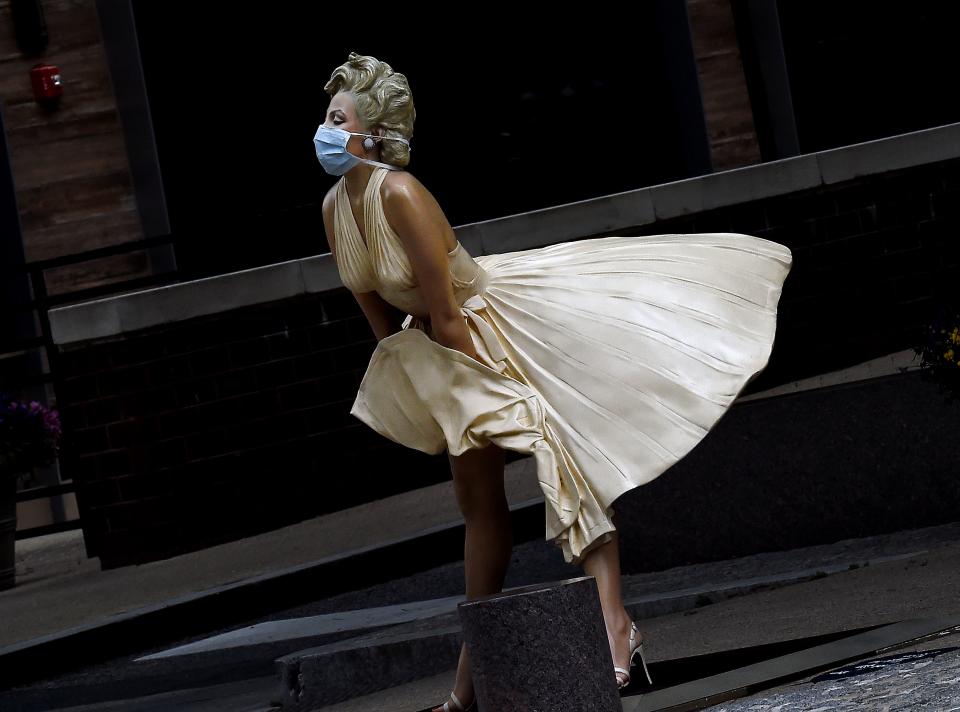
634,649
457,705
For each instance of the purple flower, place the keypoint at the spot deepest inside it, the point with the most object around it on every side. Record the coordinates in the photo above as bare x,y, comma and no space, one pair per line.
51,420
29,433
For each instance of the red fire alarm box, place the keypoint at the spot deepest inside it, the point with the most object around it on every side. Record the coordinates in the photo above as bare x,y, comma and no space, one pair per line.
47,87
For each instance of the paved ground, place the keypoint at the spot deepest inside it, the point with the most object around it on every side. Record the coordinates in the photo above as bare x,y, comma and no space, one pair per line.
909,575
918,586
59,588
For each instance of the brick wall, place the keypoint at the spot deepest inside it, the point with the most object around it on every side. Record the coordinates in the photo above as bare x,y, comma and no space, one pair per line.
209,430
871,258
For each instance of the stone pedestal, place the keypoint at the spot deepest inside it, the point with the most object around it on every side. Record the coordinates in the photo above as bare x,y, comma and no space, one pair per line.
541,648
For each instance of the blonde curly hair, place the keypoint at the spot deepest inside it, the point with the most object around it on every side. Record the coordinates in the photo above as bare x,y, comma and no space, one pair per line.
382,97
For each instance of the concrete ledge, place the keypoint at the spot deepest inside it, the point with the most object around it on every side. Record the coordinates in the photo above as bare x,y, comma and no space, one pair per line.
176,302
547,226
913,149
598,216
738,185
889,365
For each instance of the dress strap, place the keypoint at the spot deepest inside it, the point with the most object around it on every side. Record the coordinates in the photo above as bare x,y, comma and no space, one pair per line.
353,257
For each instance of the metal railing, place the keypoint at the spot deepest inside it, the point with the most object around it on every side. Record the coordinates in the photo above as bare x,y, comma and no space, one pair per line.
40,304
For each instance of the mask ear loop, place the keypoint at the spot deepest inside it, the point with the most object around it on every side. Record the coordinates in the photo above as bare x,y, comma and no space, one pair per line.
373,136
369,143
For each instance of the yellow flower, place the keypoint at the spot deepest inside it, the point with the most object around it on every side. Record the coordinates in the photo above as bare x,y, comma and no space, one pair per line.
949,355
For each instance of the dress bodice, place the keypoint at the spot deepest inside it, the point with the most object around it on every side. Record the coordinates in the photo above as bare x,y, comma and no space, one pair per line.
380,264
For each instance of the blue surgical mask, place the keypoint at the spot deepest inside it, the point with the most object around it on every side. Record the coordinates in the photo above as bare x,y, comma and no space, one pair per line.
331,145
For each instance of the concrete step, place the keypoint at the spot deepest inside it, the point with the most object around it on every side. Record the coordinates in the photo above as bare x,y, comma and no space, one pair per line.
418,648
